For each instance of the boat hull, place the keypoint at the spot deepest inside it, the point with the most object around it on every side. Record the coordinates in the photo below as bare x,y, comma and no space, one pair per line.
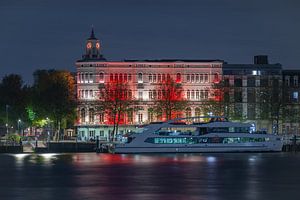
272,147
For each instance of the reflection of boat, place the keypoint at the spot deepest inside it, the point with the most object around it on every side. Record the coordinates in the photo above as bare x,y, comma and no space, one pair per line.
218,135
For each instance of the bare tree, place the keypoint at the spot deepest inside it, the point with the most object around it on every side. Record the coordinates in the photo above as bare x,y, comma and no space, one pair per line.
168,99
115,99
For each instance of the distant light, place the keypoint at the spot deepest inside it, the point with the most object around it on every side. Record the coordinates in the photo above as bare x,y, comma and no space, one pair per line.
211,159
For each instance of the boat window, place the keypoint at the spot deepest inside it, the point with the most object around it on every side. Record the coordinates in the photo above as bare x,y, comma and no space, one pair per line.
218,130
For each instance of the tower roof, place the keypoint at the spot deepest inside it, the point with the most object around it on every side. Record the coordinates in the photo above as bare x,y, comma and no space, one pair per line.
92,36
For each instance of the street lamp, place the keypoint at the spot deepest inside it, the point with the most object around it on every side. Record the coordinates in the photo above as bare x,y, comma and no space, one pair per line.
19,124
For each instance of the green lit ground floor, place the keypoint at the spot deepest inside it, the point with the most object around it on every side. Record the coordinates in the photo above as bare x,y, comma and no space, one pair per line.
101,132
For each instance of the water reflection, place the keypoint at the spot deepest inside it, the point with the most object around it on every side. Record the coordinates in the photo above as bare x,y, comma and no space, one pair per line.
149,176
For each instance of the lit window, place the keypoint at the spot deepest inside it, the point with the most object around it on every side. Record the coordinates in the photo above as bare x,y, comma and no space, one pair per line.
101,77
188,78
150,78
178,77
254,72
295,95
140,78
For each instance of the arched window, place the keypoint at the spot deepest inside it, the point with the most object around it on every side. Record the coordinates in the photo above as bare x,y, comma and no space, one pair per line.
154,78
188,95
163,78
101,77
216,78
201,78
159,78
82,115
86,94
188,112
91,80
121,77
91,115
101,117
178,77
192,94
129,77
116,77
86,80
188,78
192,78
197,112
140,78
150,78
168,77
197,95
111,77
206,78
197,78
125,77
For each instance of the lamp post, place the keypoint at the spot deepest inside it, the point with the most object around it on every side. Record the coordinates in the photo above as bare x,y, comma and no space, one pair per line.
6,108
19,125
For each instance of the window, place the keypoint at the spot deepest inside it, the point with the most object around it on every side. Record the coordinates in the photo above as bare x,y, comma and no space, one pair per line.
150,94
238,82
163,77
140,118
86,94
86,80
192,78
121,77
201,78
202,94
188,78
168,77
140,78
188,112
150,78
91,115
111,77
91,78
140,95
216,78
101,133
197,78
125,77
116,77
206,78
206,94
129,77
92,134
82,115
296,81
159,78
287,81
197,112
197,95
295,96
78,78
188,94
91,94
101,77
150,115
101,117
154,78
130,116
178,77
192,94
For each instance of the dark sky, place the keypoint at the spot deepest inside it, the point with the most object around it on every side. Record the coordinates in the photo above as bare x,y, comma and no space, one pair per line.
42,34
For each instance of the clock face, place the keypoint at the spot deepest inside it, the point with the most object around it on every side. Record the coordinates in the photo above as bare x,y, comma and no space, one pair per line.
89,45
97,45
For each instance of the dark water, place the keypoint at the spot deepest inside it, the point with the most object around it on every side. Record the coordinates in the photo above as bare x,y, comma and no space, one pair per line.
166,176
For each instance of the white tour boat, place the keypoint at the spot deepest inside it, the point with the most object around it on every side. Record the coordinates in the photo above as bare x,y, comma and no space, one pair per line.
217,135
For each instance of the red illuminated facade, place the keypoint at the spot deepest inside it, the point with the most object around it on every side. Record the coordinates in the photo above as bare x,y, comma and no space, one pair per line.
144,80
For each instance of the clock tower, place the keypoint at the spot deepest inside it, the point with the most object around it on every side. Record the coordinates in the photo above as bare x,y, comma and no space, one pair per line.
92,48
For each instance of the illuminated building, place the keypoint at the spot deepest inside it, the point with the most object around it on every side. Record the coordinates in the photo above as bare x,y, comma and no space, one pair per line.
142,77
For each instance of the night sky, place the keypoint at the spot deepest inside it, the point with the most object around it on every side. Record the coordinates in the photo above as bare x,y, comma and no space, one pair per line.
43,34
